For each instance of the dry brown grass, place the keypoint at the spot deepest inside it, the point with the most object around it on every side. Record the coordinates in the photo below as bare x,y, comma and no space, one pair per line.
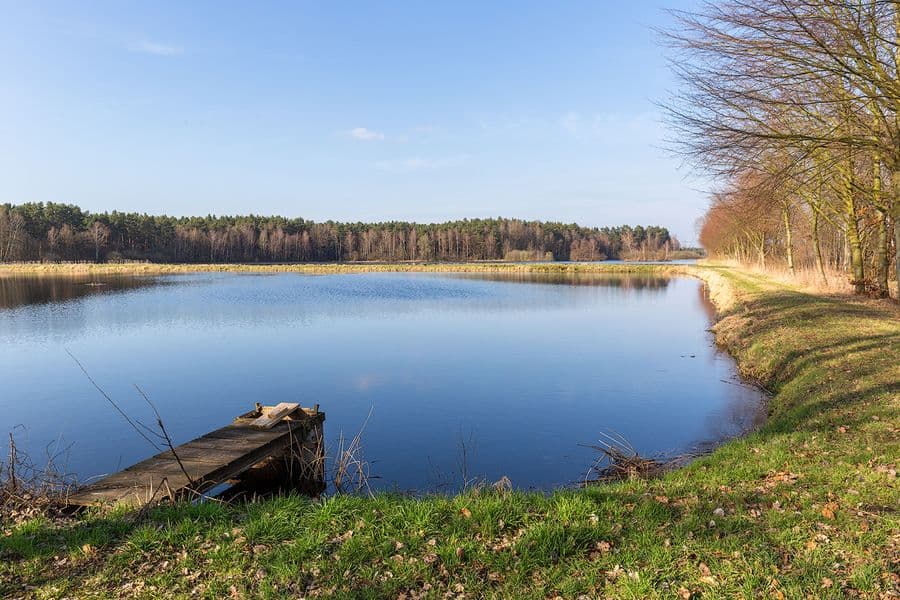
137,268
28,488
617,460
805,279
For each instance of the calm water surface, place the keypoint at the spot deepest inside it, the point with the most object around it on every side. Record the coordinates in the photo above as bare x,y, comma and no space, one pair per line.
520,370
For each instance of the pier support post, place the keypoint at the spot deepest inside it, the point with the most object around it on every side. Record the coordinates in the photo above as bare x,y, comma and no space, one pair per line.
300,466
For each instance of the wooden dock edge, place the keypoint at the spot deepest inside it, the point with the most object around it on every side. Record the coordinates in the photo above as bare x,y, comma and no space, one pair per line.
289,454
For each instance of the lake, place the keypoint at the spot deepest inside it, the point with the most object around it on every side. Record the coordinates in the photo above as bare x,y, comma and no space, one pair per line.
516,373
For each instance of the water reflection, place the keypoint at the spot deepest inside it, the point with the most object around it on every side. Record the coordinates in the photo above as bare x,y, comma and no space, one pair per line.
744,411
19,290
208,301
525,367
629,281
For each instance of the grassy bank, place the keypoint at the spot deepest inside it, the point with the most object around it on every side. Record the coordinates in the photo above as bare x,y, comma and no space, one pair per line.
11,269
805,507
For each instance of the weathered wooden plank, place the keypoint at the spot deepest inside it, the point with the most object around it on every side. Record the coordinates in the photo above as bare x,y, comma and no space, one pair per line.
206,461
144,478
235,467
148,476
153,489
134,496
272,415
214,452
214,445
137,489
169,466
237,432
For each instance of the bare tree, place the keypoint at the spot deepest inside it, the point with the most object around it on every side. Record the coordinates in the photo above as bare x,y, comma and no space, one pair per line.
99,234
817,77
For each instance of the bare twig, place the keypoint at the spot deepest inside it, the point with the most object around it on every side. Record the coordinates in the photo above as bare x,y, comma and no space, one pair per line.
464,450
165,434
13,482
28,490
112,402
619,460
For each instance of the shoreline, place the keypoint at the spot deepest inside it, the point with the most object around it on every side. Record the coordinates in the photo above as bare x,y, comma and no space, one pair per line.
799,507
324,268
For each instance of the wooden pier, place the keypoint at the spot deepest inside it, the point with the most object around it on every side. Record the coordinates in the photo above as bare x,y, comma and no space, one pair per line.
278,445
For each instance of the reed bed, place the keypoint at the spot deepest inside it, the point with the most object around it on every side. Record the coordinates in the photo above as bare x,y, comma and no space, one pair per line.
326,268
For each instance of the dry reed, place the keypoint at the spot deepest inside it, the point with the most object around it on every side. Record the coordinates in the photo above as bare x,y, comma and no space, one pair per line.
28,489
619,460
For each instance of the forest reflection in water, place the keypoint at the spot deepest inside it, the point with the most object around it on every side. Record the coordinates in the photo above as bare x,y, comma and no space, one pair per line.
524,366
20,290
629,281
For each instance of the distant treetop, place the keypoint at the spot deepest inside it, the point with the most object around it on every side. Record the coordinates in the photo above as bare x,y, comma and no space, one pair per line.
54,232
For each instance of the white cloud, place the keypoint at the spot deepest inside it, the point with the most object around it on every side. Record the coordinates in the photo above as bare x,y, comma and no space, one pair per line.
366,135
157,49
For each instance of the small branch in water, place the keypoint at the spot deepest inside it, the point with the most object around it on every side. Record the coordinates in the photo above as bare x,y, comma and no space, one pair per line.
753,386
463,460
13,459
619,460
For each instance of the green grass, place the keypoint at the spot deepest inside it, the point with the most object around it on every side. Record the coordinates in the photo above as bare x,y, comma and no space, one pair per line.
808,503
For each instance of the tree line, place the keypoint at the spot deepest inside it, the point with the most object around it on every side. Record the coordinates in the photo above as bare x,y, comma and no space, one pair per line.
64,232
794,105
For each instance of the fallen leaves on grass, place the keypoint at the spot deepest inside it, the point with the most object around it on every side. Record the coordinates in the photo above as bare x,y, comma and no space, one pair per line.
600,548
776,478
614,573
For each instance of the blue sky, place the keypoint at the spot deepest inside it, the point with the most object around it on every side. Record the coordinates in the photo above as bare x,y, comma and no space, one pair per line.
374,111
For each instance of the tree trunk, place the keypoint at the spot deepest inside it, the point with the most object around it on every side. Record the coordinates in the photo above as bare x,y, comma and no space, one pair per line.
896,220
882,262
857,268
817,246
882,258
895,217
854,244
844,258
895,172
788,240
